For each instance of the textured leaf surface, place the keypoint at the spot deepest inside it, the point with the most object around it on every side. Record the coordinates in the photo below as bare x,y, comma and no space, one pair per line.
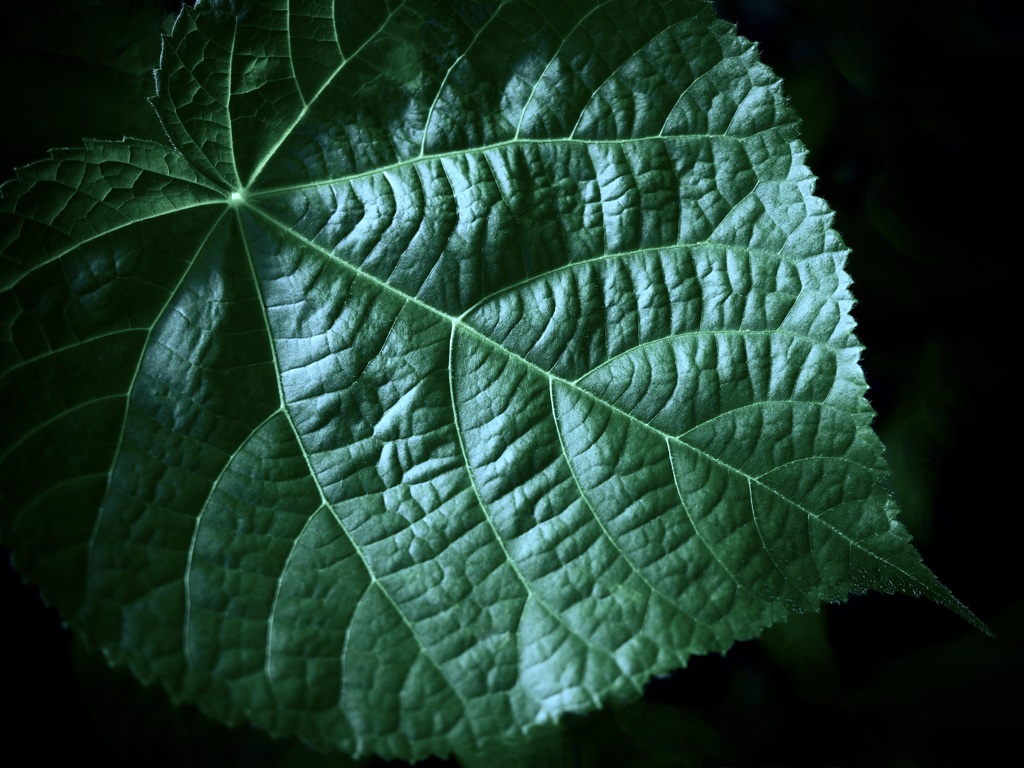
460,365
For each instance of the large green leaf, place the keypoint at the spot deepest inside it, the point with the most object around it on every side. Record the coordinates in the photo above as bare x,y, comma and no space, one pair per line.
459,366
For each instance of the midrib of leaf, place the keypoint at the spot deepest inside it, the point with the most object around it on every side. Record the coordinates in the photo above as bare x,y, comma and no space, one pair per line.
324,502
462,325
483,149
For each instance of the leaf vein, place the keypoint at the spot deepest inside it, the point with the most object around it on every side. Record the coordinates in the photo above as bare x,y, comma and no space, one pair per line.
674,601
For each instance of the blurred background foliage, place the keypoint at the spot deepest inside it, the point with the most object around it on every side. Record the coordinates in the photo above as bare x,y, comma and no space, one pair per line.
908,113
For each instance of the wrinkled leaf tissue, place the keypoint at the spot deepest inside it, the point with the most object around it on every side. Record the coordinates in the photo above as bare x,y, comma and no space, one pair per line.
454,366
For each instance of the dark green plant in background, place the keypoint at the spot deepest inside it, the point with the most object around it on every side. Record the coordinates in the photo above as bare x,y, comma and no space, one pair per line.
507,351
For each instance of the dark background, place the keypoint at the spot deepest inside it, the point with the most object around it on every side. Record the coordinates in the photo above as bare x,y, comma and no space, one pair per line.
910,115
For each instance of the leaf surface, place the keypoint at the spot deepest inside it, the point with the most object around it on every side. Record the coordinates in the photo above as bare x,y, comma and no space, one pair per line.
459,365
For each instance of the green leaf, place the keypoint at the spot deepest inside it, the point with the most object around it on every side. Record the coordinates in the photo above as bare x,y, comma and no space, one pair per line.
459,366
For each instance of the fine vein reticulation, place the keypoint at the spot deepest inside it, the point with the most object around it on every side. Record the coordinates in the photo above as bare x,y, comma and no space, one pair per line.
459,365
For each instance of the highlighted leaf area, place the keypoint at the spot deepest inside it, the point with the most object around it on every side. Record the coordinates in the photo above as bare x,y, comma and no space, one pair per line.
454,367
